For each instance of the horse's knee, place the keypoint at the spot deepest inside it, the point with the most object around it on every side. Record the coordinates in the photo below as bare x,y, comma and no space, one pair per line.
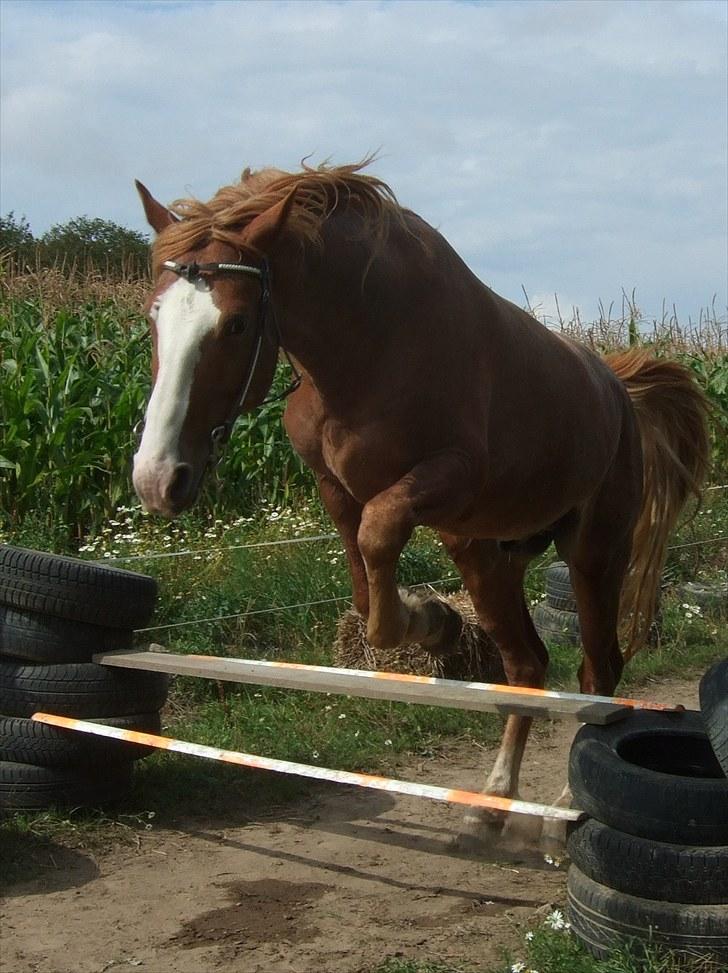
383,532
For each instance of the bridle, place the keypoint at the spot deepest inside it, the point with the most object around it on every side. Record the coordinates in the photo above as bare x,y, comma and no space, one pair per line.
266,312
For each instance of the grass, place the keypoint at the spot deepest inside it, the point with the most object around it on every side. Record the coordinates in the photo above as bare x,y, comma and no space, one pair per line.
231,576
311,727
548,948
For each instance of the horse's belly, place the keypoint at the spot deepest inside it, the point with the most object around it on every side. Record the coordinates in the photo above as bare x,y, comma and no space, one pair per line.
506,521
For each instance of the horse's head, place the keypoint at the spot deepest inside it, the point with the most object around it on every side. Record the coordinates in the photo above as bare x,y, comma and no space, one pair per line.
214,353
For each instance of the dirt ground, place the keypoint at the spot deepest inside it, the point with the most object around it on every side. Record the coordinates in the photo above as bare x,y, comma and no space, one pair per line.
337,883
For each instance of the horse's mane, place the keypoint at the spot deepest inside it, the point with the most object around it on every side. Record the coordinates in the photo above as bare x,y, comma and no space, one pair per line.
319,191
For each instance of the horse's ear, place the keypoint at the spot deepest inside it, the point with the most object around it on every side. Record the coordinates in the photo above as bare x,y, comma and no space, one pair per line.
158,216
262,232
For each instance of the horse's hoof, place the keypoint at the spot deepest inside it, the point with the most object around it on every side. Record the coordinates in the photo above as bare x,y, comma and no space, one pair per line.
479,835
522,832
473,845
447,640
553,840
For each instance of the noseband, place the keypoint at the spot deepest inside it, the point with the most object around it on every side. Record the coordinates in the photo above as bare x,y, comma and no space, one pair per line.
194,271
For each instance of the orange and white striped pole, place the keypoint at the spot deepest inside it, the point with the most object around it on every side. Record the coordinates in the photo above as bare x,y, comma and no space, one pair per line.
450,796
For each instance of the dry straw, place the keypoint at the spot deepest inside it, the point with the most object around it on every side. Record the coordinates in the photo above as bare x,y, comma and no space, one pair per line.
474,658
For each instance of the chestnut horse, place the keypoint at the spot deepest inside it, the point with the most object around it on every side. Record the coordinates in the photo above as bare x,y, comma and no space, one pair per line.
422,398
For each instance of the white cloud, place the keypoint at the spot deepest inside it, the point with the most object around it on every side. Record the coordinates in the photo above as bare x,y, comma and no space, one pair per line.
575,147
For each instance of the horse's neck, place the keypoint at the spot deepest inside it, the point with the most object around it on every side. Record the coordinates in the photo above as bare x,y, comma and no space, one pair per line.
329,321
357,317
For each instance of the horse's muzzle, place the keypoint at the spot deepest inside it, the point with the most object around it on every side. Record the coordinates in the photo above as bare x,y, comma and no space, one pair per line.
165,488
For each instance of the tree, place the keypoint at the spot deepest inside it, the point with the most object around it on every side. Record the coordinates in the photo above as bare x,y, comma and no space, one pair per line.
105,244
16,237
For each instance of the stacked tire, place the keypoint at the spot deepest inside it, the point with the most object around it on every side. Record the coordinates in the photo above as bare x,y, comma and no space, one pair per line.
649,865
555,618
55,614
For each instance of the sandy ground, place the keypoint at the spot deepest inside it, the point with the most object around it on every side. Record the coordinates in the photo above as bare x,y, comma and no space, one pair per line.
337,883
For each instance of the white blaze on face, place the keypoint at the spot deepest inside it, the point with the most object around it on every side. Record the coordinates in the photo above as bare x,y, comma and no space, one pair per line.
186,314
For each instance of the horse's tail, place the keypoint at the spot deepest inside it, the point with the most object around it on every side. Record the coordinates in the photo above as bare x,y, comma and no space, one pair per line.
672,414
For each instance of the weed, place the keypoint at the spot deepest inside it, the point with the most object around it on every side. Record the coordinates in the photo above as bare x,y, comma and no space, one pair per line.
550,948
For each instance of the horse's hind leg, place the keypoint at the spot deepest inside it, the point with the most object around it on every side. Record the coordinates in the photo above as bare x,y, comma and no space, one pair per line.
597,582
598,553
494,581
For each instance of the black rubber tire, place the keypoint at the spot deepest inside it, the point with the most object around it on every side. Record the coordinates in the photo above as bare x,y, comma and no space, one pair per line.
554,625
653,775
649,869
714,707
27,742
82,689
70,588
45,638
603,920
26,787
559,593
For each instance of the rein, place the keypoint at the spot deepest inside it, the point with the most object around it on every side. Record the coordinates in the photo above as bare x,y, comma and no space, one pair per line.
194,271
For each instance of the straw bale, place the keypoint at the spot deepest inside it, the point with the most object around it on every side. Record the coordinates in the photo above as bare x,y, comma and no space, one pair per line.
475,658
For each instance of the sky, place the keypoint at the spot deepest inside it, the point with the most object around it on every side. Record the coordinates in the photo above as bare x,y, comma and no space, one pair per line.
576,148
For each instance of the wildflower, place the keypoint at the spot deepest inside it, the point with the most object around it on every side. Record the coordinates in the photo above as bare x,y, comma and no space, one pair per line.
518,967
387,743
555,920
315,755
529,936
342,716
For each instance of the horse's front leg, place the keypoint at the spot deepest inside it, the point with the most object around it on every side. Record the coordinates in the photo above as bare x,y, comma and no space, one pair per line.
345,512
494,581
435,489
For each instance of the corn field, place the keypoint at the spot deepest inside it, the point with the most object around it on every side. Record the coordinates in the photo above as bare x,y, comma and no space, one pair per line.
74,360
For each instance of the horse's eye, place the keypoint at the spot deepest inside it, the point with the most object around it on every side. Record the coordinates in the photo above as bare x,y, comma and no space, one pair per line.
235,324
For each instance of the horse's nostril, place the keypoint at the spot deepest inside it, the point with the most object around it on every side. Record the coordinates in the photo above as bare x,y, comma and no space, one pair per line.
179,483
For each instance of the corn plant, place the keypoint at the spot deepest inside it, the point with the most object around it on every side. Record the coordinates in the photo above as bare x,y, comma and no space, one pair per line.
74,384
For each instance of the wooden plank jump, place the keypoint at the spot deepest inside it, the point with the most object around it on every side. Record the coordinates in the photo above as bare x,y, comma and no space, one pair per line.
423,690
392,785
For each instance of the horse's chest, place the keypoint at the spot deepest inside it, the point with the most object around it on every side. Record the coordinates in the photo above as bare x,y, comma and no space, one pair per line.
363,462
